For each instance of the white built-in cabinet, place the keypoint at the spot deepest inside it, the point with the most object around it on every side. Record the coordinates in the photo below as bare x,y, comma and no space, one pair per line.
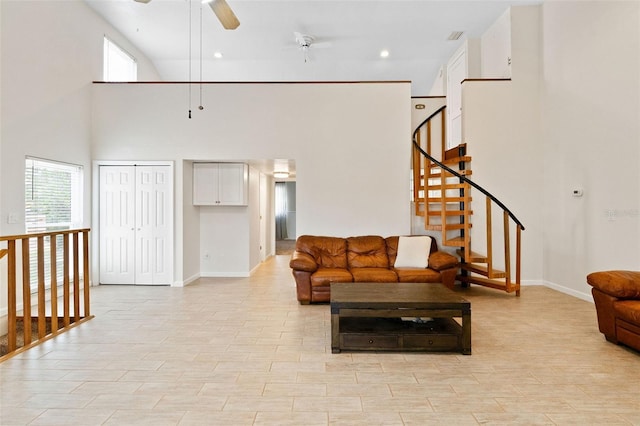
464,64
220,184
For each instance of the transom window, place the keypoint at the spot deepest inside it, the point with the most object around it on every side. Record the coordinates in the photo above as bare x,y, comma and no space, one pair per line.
118,64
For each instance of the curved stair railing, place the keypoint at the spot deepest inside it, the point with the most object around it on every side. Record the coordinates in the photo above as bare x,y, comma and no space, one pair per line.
442,195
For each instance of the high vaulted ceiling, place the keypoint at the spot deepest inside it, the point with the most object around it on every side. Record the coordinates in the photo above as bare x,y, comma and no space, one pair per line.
349,35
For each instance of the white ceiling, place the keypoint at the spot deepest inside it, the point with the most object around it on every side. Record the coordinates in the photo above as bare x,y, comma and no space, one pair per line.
263,48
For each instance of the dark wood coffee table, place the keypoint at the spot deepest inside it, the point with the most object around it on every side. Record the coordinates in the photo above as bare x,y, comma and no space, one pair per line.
368,316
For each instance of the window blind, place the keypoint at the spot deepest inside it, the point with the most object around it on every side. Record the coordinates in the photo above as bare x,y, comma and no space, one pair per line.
53,202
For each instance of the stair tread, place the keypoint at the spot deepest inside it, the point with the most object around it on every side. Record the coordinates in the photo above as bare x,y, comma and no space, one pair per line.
449,199
483,270
451,212
454,160
448,186
434,175
454,242
488,282
475,257
457,226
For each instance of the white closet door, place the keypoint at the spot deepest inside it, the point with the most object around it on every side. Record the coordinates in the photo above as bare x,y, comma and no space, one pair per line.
117,225
154,209
136,225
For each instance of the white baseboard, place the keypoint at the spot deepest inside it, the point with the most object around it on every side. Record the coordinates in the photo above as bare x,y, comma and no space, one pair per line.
225,274
186,282
571,292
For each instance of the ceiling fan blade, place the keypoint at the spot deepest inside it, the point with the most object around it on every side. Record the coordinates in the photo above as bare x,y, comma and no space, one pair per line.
322,45
224,13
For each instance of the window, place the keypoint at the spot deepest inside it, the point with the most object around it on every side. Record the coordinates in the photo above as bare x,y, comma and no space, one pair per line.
118,65
53,202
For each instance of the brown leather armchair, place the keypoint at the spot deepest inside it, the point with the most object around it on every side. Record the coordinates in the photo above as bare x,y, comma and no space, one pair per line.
617,298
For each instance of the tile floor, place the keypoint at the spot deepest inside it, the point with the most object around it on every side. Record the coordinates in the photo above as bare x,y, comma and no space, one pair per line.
241,351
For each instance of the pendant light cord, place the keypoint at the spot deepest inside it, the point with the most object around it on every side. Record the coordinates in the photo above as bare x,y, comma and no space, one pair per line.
200,106
189,58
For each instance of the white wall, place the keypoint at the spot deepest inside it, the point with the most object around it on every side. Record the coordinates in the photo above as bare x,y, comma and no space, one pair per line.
591,139
350,142
51,52
501,126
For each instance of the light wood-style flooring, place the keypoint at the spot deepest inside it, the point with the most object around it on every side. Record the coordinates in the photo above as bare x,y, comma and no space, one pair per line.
242,351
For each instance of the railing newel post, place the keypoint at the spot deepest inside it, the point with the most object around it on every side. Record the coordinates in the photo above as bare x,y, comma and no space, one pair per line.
12,295
54,283
86,273
76,278
26,291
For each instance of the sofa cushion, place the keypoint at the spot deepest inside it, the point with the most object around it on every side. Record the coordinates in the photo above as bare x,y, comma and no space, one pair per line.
374,275
413,275
621,284
328,252
367,252
413,252
326,276
440,260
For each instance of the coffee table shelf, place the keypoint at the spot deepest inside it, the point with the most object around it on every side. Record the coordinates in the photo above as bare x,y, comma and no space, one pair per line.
367,316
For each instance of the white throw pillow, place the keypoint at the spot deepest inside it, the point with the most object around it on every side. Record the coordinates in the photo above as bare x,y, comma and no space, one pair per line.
413,252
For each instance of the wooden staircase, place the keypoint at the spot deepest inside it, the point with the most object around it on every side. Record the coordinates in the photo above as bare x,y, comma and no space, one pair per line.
442,196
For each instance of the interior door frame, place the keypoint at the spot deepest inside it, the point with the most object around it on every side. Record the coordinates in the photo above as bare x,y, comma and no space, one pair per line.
95,210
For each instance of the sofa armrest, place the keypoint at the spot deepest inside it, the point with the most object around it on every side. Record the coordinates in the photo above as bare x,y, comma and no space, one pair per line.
620,284
441,260
301,261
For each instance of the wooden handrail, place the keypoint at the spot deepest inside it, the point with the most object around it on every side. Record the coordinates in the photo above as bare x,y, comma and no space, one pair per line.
43,303
43,234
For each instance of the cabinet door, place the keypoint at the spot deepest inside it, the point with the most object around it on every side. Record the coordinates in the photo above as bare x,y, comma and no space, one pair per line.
233,184
205,184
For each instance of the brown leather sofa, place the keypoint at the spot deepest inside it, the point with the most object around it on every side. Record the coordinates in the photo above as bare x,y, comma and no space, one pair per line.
617,298
318,261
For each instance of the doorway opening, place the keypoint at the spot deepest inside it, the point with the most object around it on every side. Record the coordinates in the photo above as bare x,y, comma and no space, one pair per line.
285,216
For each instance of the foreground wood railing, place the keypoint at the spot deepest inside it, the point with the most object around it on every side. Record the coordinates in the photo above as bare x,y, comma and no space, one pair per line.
54,320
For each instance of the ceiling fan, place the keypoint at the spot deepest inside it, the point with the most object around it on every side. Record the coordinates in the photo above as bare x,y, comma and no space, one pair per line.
222,10
305,42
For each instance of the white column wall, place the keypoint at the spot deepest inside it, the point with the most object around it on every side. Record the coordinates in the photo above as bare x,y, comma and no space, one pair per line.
591,139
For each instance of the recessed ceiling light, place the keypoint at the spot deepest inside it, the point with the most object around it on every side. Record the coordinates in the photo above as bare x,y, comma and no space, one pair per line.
384,53
217,55
455,35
